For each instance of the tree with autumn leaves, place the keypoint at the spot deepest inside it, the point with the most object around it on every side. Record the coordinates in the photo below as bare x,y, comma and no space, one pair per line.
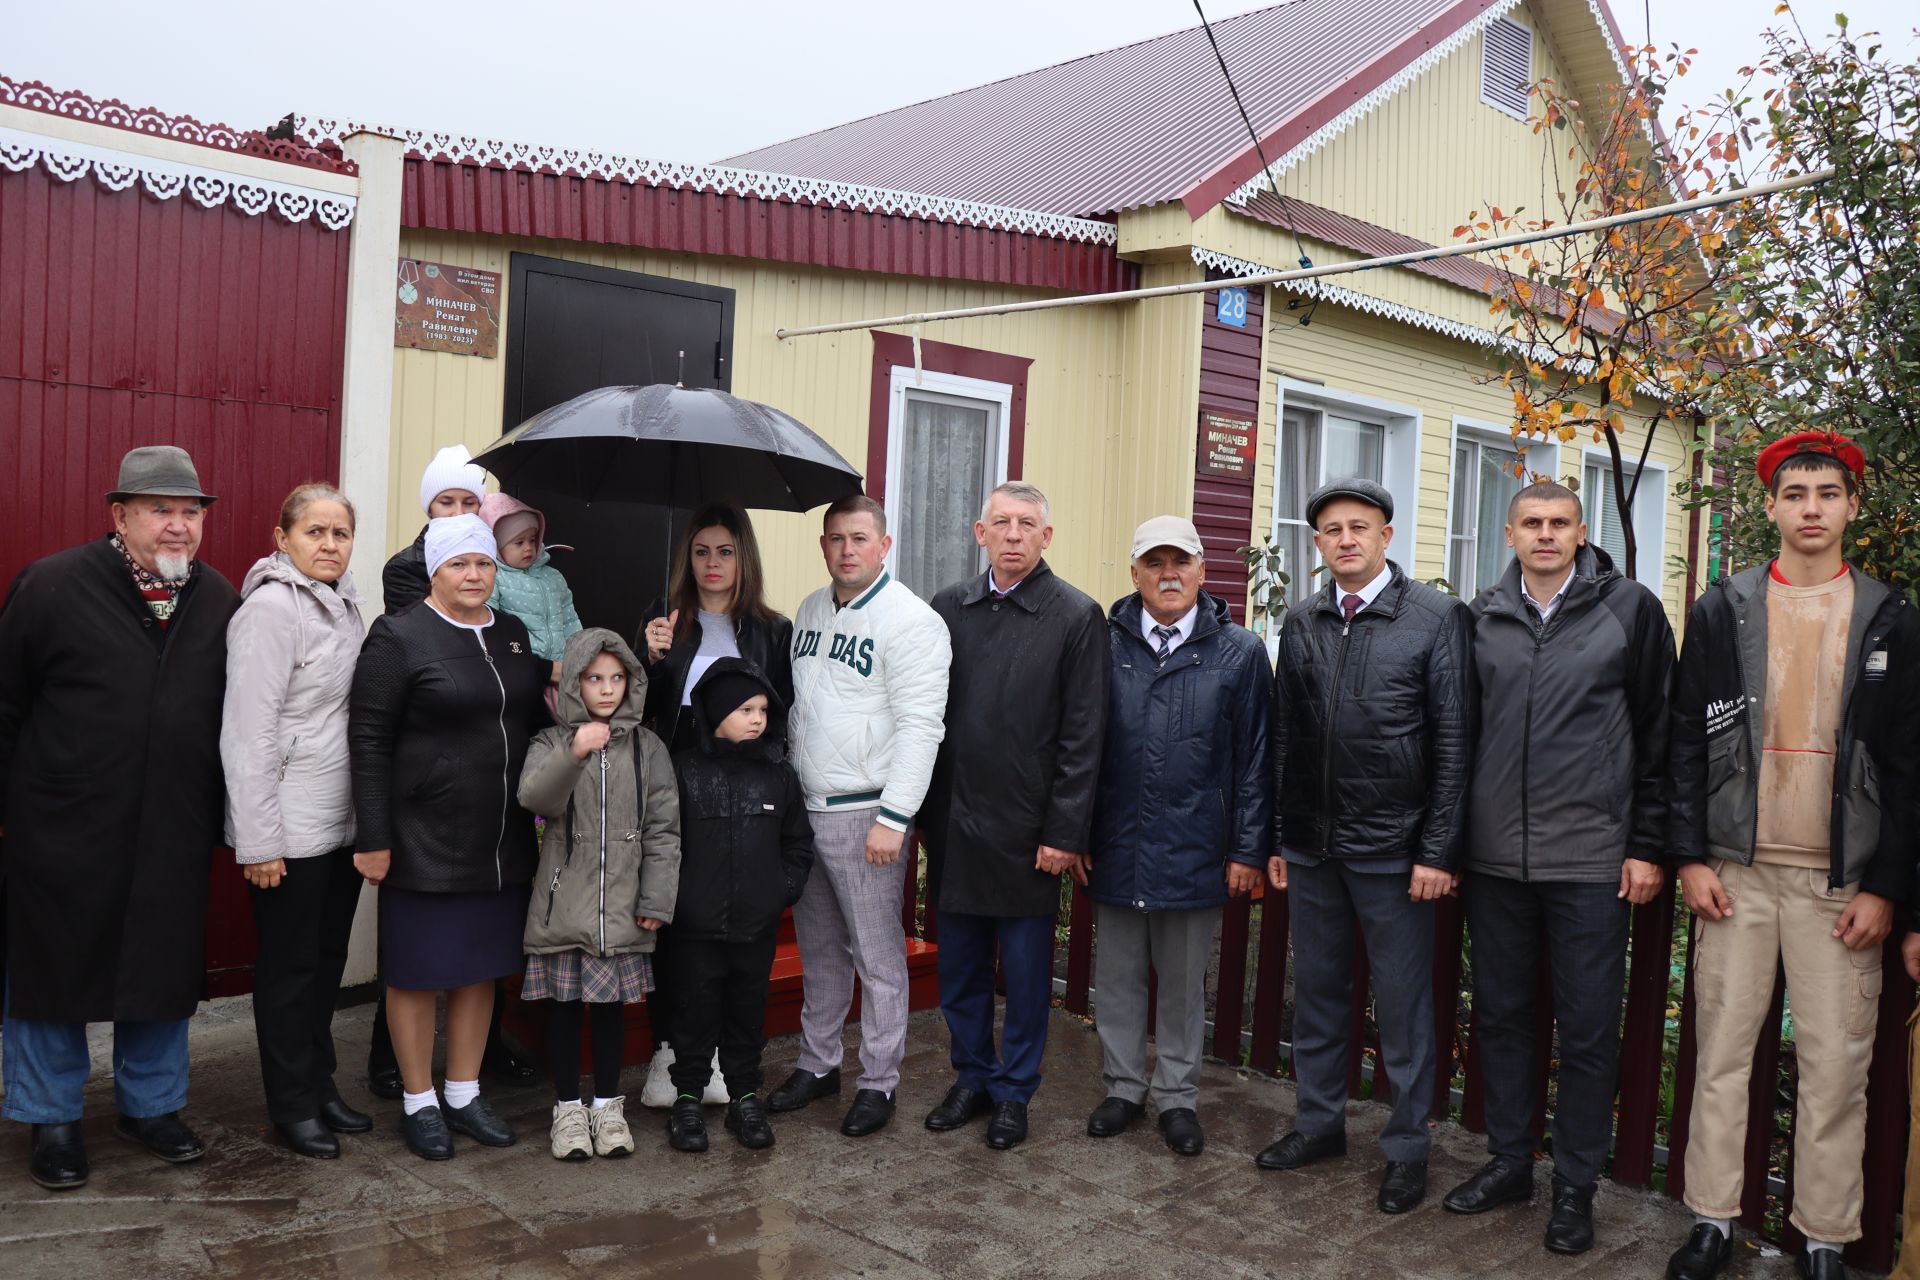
1737,325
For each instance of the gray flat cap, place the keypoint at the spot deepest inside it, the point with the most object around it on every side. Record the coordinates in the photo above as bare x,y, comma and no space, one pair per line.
163,470
1374,495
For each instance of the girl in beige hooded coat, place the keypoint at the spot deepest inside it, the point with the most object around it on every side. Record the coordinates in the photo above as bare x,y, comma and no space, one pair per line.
609,872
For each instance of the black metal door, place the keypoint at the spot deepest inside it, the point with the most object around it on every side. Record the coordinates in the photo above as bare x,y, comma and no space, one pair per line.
573,327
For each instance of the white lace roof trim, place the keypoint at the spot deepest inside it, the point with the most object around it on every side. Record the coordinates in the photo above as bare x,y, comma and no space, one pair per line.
1401,79
166,179
717,178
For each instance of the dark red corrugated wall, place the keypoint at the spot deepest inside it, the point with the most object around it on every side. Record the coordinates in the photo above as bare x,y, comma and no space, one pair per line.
1223,505
126,320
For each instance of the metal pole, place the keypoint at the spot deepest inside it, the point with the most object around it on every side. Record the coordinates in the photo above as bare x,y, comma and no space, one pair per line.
1588,227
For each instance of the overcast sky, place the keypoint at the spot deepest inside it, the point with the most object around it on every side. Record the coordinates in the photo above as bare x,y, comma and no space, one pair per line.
693,82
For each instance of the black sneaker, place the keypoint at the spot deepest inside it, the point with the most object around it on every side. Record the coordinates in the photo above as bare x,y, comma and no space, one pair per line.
686,1126
747,1121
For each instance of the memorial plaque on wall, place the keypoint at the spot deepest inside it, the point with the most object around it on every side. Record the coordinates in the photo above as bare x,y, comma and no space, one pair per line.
443,308
1226,445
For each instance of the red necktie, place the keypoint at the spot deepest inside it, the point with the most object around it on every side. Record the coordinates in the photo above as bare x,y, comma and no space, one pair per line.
1350,605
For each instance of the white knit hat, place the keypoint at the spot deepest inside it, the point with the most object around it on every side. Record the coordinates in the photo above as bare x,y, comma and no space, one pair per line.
450,536
452,468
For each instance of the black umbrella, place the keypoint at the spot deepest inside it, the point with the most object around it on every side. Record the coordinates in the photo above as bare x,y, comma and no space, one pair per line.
671,446
614,461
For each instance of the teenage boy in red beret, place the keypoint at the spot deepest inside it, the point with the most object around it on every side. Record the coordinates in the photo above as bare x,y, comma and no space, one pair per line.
1794,765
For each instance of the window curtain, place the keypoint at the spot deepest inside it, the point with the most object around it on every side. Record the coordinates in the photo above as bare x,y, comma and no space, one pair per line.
944,474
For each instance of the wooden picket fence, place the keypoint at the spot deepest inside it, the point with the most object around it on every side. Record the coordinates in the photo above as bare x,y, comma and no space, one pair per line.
1253,976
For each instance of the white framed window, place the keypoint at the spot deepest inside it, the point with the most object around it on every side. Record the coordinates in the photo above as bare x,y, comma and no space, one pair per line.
946,450
1480,484
1506,66
1327,434
1649,515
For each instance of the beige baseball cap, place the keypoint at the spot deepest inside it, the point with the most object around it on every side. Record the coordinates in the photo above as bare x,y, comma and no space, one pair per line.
1167,531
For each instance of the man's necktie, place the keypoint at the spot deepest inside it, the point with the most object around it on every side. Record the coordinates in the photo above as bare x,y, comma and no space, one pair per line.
1350,605
1165,635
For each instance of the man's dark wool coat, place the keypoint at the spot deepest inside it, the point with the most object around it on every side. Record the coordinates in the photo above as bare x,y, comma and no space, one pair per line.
111,792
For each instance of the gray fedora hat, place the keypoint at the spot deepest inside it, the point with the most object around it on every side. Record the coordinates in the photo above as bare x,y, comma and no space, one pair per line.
1374,495
163,470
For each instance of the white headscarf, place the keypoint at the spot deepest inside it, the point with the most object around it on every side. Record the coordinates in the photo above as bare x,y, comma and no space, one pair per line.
450,536
452,468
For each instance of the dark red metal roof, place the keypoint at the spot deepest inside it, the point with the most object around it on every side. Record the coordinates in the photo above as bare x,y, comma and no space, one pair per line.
1137,125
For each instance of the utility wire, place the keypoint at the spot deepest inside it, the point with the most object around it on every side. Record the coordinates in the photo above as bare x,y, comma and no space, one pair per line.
1258,150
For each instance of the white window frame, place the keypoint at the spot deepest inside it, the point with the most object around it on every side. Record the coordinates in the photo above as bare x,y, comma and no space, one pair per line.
1478,431
1486,46
1649,513
1399,457
948,387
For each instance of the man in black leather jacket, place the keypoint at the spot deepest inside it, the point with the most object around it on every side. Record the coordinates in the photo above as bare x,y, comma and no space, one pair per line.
1371,754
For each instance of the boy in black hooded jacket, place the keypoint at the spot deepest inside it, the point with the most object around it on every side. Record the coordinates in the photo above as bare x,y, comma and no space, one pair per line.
746,847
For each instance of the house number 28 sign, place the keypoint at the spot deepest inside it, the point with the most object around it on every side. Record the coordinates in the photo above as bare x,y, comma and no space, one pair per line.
1232,307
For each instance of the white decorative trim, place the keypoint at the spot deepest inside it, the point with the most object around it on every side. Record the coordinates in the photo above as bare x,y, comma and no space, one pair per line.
1366,302
493,153
165,179
1265,181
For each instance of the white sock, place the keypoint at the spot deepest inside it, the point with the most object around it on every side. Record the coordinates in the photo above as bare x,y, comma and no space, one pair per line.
419,1101
1814,1245
601,1104
1723,1225
461,1092
568,1102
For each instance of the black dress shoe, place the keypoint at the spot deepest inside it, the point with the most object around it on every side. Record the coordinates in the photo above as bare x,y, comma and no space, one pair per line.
686,1125
427,1134
59,1158
479,1121
1500,1181
310,1138
1297,1149
1112,1117
1008,1128
1570,1225
385,1082
1821,1264
1404,1186
1704,1253
803,1087
959,1106
505,1067
869,1113
341,1118
1181,1129
166,1136
747,1121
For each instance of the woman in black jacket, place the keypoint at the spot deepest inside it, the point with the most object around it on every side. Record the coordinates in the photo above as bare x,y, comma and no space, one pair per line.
746,846
716,609
445,699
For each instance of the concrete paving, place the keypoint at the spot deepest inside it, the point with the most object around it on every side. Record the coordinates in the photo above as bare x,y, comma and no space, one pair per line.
902,1204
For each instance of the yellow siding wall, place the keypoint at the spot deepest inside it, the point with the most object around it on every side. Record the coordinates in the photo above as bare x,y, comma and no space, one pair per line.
1105,436
1352,352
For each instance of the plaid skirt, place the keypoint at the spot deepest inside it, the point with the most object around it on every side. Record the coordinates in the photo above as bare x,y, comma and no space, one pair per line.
575,975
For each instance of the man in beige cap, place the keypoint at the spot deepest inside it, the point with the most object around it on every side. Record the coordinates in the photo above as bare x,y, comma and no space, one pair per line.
112,670
1182,818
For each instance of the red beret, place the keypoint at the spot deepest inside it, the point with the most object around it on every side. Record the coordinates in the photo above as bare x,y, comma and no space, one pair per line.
1843,450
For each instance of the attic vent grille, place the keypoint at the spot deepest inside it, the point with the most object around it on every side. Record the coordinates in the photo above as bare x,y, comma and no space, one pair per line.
1506,67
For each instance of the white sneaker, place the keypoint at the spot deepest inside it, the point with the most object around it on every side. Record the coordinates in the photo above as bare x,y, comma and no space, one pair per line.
611,1137
716,1094
571,1137
658,1092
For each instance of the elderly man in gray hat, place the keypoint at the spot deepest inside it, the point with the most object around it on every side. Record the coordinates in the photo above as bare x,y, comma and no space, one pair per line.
1372,748
1182,817
112,669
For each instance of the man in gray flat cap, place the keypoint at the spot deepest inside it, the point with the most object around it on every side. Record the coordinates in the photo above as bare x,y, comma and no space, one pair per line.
112,670
1373,700
1182,817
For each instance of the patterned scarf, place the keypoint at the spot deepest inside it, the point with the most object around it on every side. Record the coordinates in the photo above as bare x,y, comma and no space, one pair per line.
161,595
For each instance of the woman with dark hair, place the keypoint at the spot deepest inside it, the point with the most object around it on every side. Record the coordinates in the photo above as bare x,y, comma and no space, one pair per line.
716,608
291,650
445,698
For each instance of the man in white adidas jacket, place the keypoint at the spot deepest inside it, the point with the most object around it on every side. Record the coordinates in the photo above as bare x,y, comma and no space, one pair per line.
870,663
